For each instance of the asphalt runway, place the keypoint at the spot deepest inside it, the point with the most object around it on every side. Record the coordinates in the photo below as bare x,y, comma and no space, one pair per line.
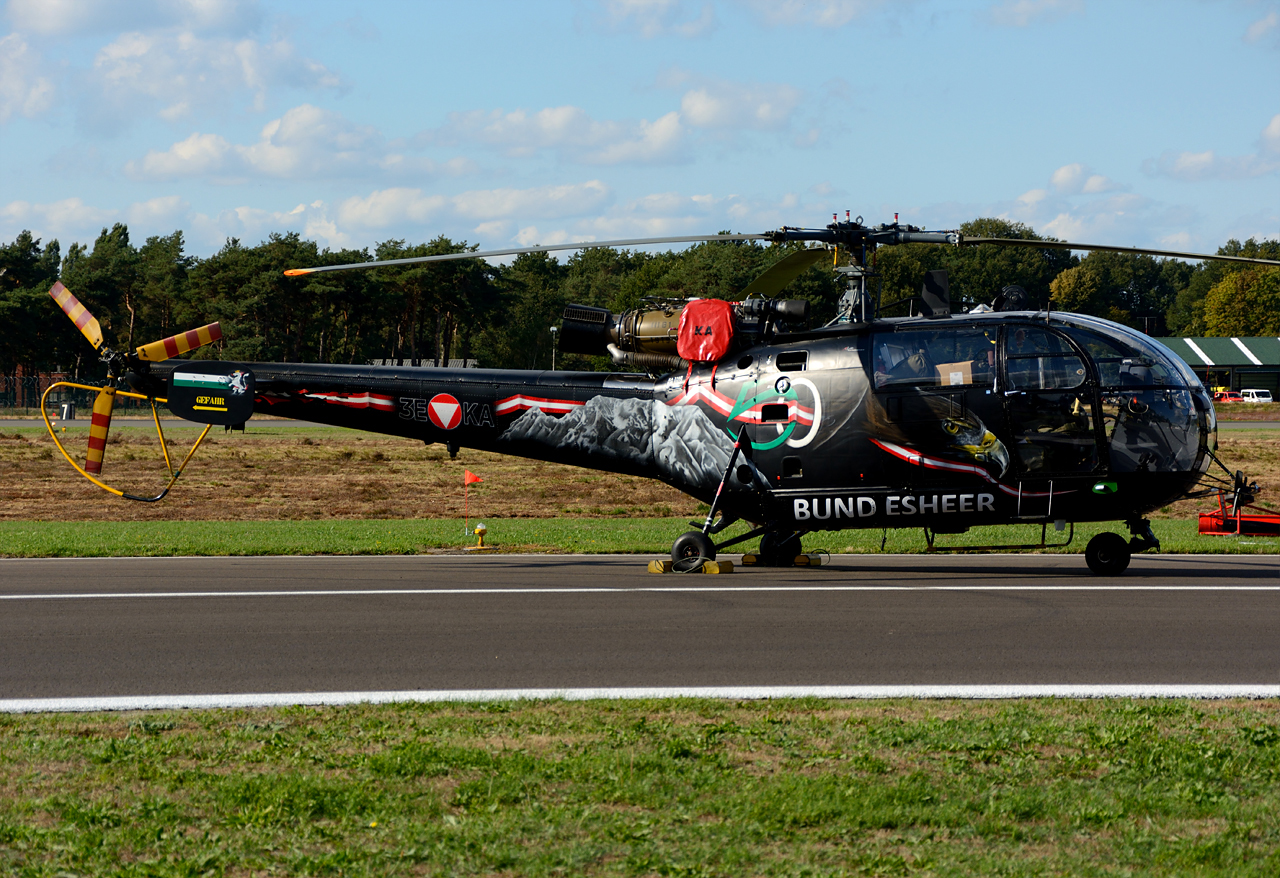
135,627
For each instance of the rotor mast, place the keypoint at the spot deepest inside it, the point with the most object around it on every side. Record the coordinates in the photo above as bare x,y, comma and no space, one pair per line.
859,304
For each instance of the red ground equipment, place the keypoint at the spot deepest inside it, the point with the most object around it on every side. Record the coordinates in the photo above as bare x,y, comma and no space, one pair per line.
1232,520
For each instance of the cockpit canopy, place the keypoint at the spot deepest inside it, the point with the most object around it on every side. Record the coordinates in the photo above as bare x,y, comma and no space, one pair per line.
1037,356
1067,388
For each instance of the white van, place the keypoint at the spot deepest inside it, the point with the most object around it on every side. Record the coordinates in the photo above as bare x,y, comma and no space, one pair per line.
1256,396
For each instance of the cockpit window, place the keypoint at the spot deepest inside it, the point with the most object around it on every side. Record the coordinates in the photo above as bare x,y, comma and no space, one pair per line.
919,358
1037,359
1130,362
1033,340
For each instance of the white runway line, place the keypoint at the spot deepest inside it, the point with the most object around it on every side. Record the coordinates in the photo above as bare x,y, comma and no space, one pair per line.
735,693
674,589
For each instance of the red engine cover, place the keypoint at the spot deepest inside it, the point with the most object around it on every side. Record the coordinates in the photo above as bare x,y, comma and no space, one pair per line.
706,330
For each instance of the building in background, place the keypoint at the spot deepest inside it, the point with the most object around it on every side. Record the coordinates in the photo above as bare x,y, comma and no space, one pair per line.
1232,363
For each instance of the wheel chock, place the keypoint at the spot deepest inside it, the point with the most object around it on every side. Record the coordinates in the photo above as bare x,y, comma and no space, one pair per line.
750,560
808,560
707,567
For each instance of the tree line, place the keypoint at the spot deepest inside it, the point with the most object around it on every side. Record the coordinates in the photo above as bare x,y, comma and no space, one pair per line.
502,315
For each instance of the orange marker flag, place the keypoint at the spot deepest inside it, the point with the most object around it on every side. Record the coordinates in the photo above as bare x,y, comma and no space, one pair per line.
468,479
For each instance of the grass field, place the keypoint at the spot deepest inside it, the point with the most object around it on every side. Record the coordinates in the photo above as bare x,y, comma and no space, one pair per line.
690,788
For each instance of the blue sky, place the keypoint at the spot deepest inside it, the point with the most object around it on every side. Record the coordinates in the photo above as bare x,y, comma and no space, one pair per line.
516,123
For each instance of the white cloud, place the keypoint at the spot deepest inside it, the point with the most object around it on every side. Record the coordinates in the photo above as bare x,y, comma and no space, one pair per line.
653,141
656,18
167,210
1208,165
497,217
1123,218
529,236
1271,135
567,130
817,13
387,208
391,207
1097,184
22,91
306,142
727,105
1024,13
71,219
253,224
706,105
180,73
545,201
198,155
61,17
1176,241
1263,26
1079,205
1107,220
1076,178
67,214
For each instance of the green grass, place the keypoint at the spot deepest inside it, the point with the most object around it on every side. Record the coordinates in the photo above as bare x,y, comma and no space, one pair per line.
690,788
59,539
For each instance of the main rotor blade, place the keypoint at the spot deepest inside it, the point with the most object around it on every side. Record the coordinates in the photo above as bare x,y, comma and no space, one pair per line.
79,314
98,429
966,241
159,351
784,271
541,248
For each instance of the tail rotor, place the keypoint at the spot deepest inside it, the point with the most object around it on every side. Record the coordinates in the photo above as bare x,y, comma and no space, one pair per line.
118,364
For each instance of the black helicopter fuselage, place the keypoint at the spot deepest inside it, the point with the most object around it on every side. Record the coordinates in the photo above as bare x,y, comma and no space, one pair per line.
944,423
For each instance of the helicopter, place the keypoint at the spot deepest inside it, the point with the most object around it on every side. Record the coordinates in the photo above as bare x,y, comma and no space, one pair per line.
941,421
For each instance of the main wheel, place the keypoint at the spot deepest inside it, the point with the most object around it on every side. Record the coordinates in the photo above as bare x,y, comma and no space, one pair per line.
779,549
1107,554
691,549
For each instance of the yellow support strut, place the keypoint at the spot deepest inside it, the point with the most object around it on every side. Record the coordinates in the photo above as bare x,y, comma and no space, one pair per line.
173,474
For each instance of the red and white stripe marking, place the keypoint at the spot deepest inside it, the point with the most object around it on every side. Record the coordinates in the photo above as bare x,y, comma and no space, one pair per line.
724,405
912,456
356,400
521,403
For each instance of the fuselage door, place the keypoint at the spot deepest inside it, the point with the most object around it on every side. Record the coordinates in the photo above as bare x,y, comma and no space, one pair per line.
1049,403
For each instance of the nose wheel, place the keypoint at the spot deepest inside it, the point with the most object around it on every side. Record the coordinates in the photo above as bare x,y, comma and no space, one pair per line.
1108,554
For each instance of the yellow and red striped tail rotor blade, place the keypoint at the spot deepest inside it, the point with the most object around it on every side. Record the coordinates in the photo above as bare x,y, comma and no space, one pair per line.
79,314
98,429
174,345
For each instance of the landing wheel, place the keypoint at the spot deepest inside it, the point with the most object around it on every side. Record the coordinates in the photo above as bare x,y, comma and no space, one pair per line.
691,549
1108,554
779,549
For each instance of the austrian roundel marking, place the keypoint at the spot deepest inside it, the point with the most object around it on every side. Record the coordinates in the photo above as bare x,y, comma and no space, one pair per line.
445,411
